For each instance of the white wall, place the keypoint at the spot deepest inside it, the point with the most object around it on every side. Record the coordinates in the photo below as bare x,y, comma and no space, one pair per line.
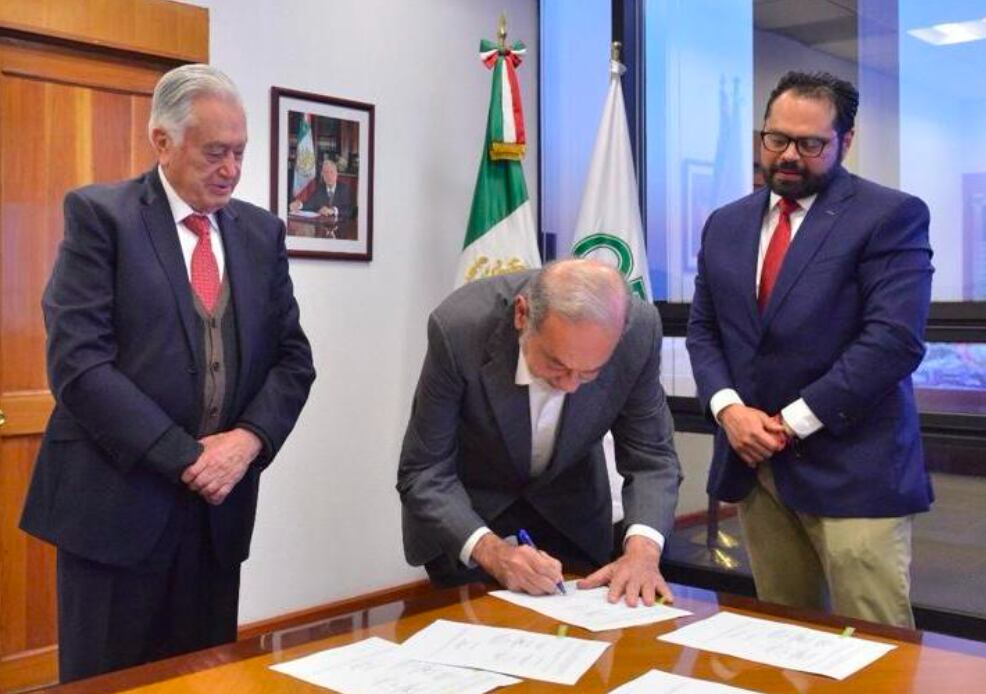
328,525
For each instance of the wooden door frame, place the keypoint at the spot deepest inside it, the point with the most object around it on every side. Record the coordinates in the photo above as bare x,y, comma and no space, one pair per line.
90,45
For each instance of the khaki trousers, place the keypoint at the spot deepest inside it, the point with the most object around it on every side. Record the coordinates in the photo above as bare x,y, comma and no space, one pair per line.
863,563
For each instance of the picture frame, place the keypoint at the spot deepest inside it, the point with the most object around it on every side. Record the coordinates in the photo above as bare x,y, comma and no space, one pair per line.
321,183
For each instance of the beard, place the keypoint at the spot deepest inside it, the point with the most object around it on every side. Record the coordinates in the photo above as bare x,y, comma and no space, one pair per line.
795,189
808,184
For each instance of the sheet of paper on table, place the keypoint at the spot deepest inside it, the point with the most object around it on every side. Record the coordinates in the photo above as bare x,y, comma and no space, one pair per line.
374,665
562,660
660,682
590,609
779,644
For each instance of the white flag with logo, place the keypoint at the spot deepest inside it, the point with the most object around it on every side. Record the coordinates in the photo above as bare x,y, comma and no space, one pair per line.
609,228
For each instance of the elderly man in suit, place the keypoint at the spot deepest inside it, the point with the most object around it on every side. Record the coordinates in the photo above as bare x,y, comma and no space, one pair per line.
331,197
523,376
178,367
807,322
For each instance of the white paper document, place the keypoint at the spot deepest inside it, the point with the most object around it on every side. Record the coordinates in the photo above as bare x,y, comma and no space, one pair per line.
590,609
779,644
562,660
660,682
373,666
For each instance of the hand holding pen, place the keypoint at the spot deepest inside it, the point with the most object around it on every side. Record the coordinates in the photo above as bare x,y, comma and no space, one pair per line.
525,539
519,566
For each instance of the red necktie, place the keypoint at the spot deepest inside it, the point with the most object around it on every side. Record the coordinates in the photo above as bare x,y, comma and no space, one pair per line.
205,270
776,249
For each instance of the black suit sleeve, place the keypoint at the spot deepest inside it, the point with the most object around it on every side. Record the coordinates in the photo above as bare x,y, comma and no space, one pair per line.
82,347
274,410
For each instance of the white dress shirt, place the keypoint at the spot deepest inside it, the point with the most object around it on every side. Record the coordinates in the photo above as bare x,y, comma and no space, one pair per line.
188,238
797,415
546,405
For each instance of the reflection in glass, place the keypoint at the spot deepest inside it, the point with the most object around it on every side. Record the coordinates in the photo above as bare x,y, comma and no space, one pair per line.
952,379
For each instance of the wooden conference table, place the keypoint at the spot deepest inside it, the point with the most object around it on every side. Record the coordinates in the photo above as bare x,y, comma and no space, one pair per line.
922,662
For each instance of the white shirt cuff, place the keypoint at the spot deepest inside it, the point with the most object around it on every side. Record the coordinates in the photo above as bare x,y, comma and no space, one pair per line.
722,399
465,556
645,531
800,418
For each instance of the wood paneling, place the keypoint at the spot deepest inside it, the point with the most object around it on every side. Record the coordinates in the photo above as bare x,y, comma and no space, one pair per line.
29,669
71,113
27,567
60,65
153,27
26,412
57,133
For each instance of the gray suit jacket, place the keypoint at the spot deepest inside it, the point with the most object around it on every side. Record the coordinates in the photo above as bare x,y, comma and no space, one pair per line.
467,450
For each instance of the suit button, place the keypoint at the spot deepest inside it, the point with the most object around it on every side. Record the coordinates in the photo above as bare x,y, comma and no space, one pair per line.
191,369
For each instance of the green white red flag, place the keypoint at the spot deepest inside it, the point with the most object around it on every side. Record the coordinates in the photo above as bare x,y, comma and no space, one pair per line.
304,163
501,236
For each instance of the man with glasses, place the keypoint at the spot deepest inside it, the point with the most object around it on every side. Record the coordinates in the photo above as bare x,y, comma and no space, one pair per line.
807,322
523,376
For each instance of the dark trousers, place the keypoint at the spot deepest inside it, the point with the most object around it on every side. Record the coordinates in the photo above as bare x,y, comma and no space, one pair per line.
444,573
177,601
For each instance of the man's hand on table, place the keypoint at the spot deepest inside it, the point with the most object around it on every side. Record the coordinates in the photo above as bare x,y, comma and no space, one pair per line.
634,576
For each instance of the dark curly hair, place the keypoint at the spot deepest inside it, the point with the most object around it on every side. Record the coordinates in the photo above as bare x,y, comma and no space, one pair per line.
821,85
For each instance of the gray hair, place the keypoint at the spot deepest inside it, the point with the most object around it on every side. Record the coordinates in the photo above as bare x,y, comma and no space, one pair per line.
578,290
171,104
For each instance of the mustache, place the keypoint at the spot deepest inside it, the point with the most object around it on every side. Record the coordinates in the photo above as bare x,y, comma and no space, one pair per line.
787,167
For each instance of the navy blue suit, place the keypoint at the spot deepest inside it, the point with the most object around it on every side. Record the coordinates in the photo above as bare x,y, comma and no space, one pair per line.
125,362
843,329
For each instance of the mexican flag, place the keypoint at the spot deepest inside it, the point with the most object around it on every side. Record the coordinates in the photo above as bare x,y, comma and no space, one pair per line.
304,163
609,228
501,236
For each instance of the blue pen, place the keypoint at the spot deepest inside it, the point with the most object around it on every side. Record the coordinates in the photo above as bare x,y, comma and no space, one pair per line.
525,539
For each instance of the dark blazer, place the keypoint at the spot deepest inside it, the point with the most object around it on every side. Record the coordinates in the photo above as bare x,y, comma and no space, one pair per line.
341,199
843,329
124,363
467,450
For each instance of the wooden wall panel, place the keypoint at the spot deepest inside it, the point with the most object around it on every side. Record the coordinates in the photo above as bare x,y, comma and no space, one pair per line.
142,155
153,27
27,572
70,115
26,219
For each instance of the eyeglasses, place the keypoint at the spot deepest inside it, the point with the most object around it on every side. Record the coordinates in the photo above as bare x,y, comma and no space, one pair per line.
807,146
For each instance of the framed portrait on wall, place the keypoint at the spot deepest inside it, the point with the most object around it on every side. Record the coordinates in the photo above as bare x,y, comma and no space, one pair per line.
321,182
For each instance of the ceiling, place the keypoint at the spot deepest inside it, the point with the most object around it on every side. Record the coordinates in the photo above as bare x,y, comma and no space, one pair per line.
848,28
830,26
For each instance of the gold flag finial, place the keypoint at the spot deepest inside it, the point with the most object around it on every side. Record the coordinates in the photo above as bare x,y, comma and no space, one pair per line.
614,51
501,31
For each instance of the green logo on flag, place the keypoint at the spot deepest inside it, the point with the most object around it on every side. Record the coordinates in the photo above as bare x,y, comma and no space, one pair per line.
619,248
